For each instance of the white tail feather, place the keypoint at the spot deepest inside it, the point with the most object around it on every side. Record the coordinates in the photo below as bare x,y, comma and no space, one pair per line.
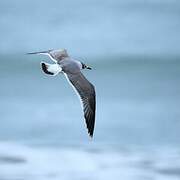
51,69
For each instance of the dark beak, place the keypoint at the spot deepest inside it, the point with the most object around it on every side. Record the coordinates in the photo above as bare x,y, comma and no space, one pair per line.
87,67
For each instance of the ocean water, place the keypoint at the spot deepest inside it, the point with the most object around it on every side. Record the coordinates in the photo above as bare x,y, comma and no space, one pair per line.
43,134
133,49
22,162
137,102
92,28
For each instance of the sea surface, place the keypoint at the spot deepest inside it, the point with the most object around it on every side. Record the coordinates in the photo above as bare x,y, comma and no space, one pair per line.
92,28
43,134
133,49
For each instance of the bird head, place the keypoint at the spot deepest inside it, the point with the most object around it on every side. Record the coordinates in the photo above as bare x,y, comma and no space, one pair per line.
84,66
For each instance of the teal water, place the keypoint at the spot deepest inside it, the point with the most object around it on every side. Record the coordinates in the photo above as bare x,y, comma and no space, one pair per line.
133,48
92,28
137,102
43,133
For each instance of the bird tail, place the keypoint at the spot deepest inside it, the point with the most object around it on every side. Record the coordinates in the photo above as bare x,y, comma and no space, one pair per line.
51,69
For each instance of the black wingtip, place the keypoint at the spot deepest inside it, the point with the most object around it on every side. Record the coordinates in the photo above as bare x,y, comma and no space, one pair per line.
91,136
90,133
90,129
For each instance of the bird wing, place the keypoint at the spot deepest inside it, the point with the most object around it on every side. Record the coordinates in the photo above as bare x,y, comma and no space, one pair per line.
86,91
48,53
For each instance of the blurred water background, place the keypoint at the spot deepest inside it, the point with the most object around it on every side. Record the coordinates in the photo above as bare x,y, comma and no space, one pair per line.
133,48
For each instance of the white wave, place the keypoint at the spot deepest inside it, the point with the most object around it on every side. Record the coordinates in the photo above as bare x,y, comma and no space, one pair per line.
68,163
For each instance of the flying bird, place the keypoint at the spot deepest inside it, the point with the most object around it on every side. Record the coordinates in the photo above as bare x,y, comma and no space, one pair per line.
71,68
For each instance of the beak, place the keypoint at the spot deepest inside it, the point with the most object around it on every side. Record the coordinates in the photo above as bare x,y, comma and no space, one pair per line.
87,67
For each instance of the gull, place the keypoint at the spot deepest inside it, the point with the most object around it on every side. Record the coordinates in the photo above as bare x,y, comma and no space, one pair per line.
71,68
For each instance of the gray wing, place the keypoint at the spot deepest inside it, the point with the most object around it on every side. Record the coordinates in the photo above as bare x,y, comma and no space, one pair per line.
55,55
87,95
48,53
